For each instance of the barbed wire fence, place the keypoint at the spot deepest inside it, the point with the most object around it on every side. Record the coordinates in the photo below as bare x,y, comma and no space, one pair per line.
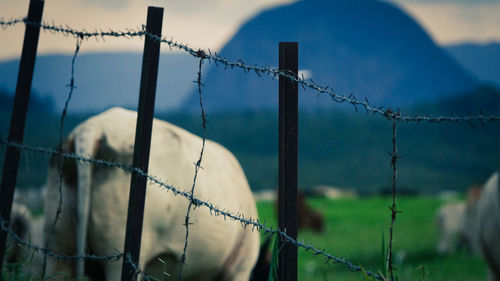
197,166
219,61
215,210
71,87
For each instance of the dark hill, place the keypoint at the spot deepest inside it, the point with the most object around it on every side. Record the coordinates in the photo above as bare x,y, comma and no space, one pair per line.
482,60
103,79
366,47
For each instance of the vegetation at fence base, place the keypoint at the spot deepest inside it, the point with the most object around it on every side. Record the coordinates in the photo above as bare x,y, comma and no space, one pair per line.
353,230
16,271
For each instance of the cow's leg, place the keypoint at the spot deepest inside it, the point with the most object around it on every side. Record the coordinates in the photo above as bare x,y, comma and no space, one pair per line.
60,236
113,270
60,215
60,270
61,243
108,217
242,260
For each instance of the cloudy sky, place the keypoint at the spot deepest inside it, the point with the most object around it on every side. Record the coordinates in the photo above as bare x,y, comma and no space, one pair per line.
210,23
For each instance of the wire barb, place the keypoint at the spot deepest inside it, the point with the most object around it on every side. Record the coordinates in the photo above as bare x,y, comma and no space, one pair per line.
197,167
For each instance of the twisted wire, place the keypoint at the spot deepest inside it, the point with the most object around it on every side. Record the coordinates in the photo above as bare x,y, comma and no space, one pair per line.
197,168
214,210
387,113
72,87
47,252
394,211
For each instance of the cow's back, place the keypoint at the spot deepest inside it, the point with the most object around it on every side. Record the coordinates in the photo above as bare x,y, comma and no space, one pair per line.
174,151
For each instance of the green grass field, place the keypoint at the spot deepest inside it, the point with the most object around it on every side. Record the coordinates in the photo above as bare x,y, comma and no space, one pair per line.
354,230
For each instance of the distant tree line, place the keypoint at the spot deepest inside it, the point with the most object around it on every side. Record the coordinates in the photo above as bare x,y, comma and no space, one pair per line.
37,102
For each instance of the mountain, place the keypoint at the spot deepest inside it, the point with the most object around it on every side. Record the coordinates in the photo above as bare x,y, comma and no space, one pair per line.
104,79
482,60
366,47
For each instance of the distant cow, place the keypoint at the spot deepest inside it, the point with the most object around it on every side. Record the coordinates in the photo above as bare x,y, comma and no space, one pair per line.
30,230
307,216
488,217
449,222
470,226
457,224
331,192
95,202
32,198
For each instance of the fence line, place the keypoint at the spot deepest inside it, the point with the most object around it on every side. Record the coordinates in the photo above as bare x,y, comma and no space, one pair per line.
210,56
387,113
71,87
19,113
47,252
288,160
394,158
142,145
215,210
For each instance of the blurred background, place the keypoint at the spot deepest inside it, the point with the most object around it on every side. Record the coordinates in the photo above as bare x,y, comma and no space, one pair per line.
438,57
426,57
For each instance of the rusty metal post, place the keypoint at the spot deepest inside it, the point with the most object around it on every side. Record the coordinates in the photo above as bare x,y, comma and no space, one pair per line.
145,115
19,112
288,160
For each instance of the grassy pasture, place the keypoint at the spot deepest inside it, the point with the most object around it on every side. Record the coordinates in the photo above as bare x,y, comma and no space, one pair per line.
354,230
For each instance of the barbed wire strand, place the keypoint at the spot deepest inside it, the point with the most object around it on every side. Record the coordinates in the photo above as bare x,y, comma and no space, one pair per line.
45,250
394,158
71,87
104,258
274,73
5,23
197,166
69,31
261,70
213,209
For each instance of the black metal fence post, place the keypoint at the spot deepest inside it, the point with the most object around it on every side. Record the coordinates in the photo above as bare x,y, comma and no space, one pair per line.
144,128
18,117
288,142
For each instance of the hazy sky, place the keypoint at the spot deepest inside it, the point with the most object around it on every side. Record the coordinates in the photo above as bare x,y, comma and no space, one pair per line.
454,21
210,23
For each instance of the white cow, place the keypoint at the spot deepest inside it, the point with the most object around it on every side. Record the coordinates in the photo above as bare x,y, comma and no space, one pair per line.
488,218
95,202
449,222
